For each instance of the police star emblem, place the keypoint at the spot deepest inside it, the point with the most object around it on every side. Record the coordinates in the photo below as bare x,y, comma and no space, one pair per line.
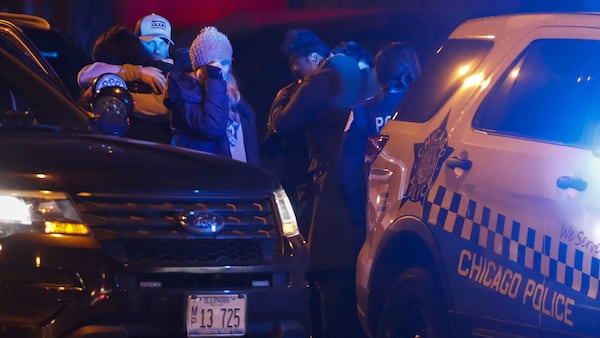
429,157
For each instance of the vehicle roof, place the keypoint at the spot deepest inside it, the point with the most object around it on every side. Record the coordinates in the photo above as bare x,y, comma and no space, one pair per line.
520,24
26,20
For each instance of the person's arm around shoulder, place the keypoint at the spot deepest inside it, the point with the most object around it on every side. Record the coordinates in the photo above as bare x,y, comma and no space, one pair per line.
88,73
128,72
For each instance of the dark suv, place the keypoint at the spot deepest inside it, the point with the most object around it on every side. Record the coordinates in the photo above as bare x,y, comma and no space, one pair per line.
103,236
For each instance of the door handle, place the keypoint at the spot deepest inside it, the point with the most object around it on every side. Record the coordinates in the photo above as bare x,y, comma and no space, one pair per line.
455,162
577,183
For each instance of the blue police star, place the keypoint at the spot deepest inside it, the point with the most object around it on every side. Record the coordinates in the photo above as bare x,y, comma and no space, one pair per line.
429,157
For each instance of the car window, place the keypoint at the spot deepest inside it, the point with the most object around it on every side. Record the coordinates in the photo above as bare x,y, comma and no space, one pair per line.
63,54
13,41
550,93
28,100
441,77
10,99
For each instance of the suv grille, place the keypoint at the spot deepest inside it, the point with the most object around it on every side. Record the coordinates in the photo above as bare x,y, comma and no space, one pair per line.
147,230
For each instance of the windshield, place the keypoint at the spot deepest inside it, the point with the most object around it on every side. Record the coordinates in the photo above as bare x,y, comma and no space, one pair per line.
441,77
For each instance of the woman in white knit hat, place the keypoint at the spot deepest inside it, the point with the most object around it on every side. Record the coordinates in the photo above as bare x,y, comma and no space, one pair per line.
208,113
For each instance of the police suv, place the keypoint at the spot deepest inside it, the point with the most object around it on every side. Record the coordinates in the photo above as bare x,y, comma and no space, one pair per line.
484,190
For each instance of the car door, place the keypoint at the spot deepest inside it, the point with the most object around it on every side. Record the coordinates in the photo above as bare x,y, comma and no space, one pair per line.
459,186
532,136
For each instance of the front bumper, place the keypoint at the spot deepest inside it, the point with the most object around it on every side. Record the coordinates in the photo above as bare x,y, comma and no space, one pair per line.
98,298
270,313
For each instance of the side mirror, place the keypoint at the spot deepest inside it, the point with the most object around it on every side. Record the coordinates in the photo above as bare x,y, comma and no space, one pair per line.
375,145
112,104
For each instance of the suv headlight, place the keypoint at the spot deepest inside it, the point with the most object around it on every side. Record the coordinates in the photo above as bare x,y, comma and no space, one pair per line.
38,212
286,213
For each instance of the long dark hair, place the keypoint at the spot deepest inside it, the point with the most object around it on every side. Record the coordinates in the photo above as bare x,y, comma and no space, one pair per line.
118,46
396,66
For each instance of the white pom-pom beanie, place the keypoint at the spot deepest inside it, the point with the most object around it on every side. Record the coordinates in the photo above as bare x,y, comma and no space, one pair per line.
210,45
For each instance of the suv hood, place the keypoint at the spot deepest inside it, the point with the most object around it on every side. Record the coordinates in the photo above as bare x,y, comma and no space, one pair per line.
91,163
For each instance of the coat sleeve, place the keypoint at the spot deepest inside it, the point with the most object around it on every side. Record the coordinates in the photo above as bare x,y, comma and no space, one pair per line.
200,111
282,99
250,134
88,73
304,105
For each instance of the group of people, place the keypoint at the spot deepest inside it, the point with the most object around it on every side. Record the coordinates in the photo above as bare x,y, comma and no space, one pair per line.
321,123
318,127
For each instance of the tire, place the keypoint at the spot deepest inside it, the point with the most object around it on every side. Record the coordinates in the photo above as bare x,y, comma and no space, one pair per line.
414,308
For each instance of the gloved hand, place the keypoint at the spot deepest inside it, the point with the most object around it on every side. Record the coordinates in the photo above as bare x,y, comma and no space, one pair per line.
155,78
213,72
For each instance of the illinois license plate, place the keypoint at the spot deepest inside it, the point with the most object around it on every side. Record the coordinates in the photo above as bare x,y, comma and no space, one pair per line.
221,315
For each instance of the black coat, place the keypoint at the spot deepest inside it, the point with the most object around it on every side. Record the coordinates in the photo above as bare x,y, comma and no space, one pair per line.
319,108
200,115
288,153
367,120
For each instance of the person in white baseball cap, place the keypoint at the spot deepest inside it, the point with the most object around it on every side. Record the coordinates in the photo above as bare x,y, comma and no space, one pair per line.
155,33
119,50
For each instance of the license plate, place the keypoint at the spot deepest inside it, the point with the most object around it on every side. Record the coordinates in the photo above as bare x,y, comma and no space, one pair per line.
222,315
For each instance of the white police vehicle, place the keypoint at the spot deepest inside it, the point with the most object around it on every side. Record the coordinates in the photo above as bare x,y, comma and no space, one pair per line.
484,204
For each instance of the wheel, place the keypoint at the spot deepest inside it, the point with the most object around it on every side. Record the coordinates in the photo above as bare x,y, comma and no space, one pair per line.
414,308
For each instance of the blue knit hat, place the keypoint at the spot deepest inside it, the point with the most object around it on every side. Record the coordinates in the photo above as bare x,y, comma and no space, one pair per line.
210,45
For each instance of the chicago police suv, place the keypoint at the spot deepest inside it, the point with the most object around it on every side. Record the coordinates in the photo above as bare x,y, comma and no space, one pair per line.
484,204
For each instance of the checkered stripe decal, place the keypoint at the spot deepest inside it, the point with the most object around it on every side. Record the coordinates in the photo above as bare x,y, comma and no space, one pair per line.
512,240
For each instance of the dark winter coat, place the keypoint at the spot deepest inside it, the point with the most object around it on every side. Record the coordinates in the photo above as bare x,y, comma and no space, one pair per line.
288,154
319,108
200,115
368,119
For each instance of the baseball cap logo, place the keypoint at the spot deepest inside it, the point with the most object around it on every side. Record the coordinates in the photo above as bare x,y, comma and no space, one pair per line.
158,24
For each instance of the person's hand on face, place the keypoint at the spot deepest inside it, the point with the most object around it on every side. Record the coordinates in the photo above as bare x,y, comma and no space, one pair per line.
224,65
213,72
